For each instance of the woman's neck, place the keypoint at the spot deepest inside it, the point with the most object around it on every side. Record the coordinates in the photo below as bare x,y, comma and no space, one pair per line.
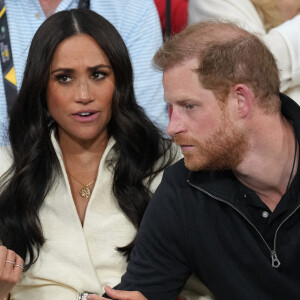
82,157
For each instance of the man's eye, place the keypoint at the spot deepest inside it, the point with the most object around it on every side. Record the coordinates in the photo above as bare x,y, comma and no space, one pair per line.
190,106
98,75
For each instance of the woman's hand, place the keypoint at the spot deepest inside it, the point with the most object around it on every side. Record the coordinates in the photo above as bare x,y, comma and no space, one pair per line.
118,295
11,267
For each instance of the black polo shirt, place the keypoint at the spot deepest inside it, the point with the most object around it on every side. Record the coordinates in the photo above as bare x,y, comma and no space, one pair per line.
259,213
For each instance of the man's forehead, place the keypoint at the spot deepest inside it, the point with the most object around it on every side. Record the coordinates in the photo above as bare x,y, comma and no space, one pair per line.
191,64
182,85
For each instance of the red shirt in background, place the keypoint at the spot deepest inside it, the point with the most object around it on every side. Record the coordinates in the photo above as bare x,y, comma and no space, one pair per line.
179,14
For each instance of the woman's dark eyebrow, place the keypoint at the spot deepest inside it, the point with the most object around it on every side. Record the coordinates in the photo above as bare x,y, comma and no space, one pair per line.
68,70
95,68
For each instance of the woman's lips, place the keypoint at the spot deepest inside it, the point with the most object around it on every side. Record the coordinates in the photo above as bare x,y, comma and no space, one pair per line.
86,116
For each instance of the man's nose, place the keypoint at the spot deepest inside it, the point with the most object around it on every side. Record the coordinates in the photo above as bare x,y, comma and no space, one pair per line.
175,125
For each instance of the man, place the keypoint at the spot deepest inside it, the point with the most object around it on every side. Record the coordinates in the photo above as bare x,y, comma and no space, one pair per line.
137,21
229,213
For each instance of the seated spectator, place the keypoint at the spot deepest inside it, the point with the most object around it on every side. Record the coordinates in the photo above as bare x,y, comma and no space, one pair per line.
83,163
276,22
230,211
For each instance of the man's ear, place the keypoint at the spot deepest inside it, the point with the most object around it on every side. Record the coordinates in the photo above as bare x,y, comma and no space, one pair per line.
244,98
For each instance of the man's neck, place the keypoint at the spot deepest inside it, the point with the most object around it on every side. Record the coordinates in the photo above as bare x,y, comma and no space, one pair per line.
271,162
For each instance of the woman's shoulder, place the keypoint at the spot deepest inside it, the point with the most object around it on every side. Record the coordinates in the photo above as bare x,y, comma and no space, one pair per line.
174,153
177,152
5,158
171,156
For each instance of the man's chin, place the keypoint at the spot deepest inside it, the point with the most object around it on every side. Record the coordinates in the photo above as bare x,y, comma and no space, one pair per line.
192,165
197,165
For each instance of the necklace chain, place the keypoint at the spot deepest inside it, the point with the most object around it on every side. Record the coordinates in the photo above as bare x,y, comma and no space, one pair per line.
85,191
81,182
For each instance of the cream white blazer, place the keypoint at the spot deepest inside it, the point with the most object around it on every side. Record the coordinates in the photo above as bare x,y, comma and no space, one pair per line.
77,258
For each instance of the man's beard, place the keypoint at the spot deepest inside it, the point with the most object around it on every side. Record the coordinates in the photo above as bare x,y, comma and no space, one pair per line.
223,150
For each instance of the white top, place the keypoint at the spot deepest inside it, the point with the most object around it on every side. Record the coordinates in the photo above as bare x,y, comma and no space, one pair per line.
283,40
77,258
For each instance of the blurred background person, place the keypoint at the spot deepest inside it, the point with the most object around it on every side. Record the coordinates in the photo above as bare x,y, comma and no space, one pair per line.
173,15
277,22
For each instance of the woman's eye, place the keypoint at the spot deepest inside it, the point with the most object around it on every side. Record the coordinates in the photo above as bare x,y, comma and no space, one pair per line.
63,78
98,75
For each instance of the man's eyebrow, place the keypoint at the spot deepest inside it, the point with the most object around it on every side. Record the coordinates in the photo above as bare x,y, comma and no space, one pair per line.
183,100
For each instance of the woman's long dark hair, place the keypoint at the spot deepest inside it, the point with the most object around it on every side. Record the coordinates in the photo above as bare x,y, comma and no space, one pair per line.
142,150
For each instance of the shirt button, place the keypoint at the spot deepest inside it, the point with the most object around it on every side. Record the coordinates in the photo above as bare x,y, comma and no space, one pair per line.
37,15
265,214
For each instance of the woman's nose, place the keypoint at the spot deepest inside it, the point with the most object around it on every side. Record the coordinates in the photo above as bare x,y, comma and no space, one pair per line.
83,92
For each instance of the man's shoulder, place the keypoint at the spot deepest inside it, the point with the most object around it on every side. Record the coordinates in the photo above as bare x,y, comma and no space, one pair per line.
177,169
213,181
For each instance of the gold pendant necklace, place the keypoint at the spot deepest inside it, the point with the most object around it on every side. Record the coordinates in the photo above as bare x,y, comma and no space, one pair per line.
84,192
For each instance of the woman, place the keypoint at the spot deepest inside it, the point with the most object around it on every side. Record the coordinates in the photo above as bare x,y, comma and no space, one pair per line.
83,163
